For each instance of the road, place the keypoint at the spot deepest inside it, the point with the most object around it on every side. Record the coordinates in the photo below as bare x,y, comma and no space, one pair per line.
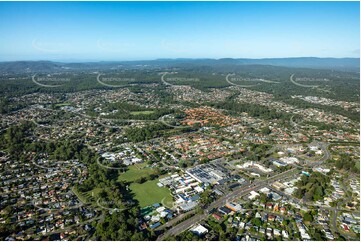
223,200
174,221
164,82
336,211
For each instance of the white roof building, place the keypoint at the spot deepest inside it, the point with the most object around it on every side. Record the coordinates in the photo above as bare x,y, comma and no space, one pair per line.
199,230
265,190
253,195
289,160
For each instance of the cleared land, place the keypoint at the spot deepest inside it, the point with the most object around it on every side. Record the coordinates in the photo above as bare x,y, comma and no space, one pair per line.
135,172
141,112
149,193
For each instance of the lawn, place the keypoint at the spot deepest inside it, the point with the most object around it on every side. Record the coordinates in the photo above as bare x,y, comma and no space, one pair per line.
135,172
149,193
141,112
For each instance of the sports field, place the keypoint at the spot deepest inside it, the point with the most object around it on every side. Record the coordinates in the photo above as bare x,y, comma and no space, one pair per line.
135,172
149,193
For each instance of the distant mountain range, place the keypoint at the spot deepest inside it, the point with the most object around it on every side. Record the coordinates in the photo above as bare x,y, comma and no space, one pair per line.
343,64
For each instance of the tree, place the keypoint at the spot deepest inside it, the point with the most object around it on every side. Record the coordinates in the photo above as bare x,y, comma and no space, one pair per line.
257,222
205,197
137,236
266,130
298,193
318,193
307,217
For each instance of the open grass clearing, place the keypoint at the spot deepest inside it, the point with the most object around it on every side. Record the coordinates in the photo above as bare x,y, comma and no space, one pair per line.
142,112
149,193
135,172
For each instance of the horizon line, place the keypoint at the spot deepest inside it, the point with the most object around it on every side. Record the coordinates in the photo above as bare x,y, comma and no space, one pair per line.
177,58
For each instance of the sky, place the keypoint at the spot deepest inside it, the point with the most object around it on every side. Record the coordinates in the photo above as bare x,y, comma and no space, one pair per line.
95,31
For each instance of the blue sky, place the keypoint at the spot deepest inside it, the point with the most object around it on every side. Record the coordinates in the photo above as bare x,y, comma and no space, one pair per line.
149,30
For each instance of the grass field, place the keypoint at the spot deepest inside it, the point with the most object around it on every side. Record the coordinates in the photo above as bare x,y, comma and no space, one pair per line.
135,172
141,112
149,193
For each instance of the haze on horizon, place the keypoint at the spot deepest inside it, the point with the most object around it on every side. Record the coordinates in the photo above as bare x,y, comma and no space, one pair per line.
93,31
